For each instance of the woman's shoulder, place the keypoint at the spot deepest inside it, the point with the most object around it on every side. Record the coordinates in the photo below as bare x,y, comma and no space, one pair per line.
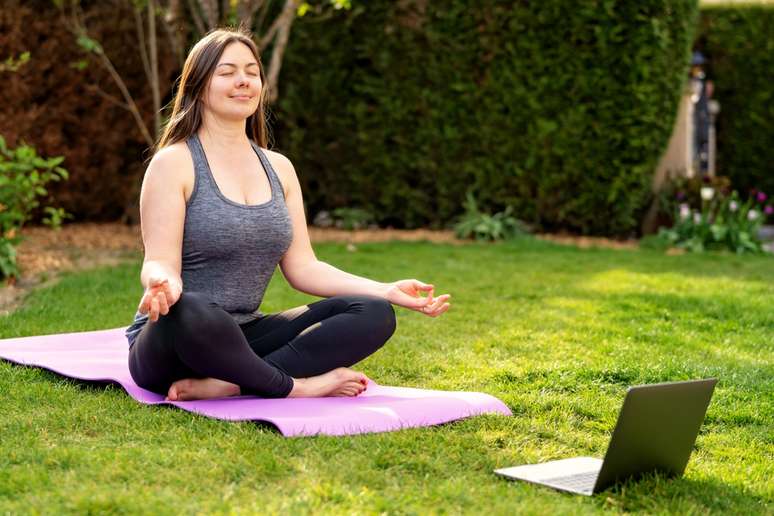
278,161
172,164
172,155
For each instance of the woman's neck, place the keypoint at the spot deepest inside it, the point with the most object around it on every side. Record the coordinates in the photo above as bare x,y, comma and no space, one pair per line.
223,134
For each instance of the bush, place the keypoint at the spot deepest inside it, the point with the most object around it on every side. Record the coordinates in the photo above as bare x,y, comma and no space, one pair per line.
23,178
56,103
720,220
483,226
738,42
402,107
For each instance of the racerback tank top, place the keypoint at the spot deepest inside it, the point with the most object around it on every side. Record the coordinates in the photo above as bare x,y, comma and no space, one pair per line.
230,250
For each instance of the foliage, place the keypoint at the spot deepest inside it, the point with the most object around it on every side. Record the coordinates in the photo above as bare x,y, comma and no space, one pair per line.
738,42
12,64
718,220
23,178
352,218
484,226
559,113
59,105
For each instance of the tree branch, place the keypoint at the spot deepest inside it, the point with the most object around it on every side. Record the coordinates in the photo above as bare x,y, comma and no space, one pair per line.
197,18
172,28
141,42
107,96
77,27
283,32
154,67
210,8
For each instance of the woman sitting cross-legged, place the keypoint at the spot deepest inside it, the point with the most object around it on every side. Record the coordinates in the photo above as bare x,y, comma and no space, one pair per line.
219,212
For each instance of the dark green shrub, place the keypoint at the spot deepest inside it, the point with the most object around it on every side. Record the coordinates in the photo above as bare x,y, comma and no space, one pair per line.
23,178
739,42
352,218
562,113
484,226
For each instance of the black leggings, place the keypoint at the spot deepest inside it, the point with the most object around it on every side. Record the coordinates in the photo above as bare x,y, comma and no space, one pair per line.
198,339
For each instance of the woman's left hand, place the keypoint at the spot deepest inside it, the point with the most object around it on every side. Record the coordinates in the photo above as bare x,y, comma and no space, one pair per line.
408,294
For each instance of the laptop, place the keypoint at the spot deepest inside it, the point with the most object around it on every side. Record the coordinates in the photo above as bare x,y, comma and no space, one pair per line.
655,432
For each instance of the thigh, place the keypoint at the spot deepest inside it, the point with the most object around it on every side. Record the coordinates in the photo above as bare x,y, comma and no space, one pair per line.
273,331
356,327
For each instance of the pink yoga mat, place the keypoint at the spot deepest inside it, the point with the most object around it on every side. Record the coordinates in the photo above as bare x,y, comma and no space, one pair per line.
102,356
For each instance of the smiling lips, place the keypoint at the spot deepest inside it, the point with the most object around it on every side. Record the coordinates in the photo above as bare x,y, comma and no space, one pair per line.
241,97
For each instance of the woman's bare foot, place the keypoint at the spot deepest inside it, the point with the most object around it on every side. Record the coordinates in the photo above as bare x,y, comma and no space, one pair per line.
339,382
201,389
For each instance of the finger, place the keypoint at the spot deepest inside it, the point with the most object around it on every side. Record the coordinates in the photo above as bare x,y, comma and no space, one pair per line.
423,286
144,305
429,298
155,283
415,303
163,305
437,302
167,290
441,310
153,315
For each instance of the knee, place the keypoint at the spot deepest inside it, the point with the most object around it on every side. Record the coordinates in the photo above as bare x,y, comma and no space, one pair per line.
193,310
381,317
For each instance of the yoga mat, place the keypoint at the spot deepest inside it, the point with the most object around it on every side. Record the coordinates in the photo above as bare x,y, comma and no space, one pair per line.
102,356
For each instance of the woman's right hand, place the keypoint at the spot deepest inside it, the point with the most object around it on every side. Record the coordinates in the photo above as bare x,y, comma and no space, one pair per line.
160,295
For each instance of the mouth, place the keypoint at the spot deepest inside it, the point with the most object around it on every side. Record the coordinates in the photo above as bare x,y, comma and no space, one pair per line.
241,97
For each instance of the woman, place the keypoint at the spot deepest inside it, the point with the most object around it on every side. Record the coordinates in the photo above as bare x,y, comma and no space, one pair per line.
219,211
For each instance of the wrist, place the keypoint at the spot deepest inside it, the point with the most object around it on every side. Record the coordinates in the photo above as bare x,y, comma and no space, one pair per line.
383,290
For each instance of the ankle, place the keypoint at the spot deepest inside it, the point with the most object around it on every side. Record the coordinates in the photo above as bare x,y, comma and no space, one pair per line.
299,389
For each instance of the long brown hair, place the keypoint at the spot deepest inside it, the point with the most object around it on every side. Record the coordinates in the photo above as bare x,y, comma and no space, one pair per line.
199,66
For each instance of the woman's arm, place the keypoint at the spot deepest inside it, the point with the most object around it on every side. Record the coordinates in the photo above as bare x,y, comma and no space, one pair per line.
162,215
306,273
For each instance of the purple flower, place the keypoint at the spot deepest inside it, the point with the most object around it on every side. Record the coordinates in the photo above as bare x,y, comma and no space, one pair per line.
768,210
762,197
680,195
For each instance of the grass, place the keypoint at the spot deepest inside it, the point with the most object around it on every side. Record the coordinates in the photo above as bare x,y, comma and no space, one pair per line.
557,333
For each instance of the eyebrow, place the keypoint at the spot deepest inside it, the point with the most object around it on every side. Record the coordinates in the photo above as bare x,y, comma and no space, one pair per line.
235,66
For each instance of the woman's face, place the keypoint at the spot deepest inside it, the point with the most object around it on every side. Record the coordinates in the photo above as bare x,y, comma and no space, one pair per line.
235,85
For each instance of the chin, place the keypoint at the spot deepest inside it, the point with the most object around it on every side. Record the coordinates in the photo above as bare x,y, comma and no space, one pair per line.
236,114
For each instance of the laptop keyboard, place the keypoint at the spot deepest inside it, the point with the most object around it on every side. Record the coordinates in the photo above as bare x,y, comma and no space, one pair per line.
580,481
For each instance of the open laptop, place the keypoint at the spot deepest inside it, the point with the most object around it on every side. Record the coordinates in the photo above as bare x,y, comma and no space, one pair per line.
656,430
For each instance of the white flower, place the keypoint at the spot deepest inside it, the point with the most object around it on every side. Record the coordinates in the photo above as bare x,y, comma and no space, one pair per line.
707,193
752,215
697,218
685,211
733,206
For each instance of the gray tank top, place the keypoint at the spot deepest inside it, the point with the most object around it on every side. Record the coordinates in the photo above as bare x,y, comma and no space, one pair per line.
230,250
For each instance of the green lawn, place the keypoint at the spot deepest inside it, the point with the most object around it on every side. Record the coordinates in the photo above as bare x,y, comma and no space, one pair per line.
557,333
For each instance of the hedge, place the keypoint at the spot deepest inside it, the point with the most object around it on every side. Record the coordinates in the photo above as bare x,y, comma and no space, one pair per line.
402,107
58,108
739,42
